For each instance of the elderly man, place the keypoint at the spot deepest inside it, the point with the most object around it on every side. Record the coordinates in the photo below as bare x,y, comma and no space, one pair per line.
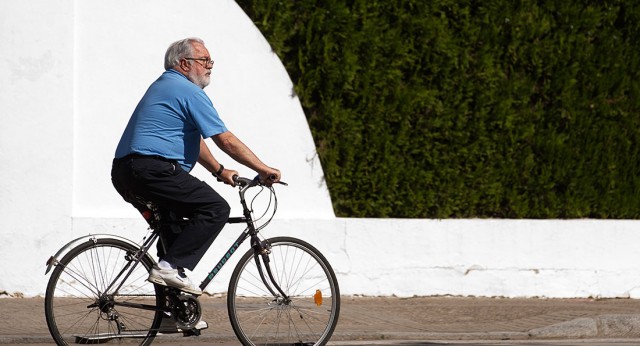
162,142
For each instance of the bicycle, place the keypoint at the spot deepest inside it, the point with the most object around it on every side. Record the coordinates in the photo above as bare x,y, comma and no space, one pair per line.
282,291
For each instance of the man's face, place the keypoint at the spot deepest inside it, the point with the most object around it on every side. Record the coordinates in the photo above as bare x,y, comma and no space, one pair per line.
200,70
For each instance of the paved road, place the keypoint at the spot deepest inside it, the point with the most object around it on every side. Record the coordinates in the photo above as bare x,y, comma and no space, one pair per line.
407,321
574,342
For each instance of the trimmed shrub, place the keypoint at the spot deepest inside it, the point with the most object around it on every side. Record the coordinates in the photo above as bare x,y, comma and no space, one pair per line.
463,109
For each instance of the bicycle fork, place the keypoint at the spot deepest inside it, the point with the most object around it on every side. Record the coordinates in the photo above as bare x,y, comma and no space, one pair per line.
262,249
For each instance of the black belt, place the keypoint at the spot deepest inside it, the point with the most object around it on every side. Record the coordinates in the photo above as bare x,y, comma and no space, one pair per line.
154,157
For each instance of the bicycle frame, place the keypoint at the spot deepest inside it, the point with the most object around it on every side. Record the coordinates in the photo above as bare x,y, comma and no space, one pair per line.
260,248
250,231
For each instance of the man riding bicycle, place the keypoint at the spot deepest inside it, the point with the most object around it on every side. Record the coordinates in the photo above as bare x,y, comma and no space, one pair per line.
161,144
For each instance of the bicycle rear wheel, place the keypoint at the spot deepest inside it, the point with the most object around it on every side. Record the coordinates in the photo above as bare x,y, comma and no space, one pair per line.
78,307
309,313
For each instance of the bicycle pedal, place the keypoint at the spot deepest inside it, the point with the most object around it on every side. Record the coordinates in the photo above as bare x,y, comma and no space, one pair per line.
169,326
195,331
191,332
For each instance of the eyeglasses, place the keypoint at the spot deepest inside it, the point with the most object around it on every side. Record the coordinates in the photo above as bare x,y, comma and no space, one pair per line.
206,62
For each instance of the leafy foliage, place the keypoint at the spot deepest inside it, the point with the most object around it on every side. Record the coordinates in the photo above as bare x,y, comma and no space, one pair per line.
451,109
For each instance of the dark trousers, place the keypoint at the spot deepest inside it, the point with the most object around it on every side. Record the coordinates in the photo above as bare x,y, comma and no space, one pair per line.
180,196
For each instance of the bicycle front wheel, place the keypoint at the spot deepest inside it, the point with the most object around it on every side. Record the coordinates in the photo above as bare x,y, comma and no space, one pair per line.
92,298
306,315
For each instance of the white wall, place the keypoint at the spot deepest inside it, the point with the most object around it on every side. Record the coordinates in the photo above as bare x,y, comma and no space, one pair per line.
36,137
73,70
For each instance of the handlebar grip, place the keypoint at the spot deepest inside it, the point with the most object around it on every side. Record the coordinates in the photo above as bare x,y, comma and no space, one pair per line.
273,177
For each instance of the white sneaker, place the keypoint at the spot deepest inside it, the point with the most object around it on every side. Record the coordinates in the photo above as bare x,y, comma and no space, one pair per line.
172,278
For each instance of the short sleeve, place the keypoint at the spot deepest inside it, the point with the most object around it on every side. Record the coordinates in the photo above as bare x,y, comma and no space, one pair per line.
204,116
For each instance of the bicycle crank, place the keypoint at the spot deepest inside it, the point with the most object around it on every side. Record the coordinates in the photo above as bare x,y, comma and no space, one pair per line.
186,310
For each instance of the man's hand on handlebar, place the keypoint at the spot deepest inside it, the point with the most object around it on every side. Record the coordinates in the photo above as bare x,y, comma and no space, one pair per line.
270,176
227,177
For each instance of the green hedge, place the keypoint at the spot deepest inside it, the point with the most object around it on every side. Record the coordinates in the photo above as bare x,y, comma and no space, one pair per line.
451,109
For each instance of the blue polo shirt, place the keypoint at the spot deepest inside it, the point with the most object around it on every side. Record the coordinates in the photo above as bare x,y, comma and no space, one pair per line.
169,121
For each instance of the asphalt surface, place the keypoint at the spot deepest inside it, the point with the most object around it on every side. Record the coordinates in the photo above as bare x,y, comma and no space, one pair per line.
405,321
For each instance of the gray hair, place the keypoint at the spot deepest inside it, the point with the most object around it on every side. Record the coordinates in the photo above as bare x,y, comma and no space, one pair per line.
179,50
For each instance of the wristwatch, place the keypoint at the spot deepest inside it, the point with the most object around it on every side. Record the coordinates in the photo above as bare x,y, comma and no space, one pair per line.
219,172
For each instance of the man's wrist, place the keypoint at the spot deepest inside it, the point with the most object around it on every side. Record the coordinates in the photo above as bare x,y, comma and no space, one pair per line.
219,171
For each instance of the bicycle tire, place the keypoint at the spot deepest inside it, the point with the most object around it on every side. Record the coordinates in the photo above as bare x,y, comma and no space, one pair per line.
304,274
77,311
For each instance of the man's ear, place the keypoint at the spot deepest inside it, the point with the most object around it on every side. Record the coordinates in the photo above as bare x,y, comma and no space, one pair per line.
185,65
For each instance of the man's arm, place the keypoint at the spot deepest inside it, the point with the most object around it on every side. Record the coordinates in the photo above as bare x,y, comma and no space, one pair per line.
206,159
238,151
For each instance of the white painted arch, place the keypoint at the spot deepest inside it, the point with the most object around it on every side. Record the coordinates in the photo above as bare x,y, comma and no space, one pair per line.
119,51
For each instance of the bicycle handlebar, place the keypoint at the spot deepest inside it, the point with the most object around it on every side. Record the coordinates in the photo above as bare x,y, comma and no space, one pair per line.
246,182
